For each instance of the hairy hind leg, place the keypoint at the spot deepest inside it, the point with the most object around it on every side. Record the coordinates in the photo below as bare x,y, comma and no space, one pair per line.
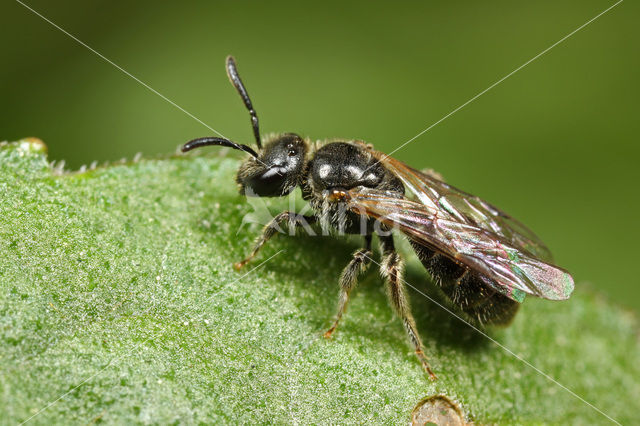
391,269
294,219
349,279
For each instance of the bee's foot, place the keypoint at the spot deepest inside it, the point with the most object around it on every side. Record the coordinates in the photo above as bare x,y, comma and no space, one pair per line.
431,374
327,334
239,265
425,365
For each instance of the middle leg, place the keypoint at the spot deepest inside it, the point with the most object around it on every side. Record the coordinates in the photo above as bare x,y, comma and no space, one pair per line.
349,279
391,269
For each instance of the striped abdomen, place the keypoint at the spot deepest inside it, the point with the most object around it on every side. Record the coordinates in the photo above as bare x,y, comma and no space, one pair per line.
467,289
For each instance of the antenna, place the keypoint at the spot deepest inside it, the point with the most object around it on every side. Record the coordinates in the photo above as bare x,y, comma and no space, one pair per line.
200,142
234,77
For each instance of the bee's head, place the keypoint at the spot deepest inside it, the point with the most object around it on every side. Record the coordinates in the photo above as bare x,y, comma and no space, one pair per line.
276,168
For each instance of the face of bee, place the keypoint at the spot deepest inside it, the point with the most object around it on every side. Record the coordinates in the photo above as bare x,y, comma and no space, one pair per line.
277,169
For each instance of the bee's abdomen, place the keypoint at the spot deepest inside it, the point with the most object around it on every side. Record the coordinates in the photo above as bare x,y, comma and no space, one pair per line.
467,289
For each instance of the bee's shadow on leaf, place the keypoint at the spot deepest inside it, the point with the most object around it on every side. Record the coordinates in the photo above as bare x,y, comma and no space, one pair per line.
319,261
437,318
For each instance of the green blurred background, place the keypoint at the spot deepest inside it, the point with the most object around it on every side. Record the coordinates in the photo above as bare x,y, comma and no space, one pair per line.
554,145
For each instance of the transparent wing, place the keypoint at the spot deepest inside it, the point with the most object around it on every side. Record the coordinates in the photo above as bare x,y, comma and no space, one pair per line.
512,269
465,208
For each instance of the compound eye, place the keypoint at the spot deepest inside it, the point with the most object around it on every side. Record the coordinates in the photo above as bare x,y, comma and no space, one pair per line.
292,151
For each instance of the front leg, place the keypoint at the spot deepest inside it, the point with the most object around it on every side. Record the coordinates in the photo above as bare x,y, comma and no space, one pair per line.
294,219
349,279
391,269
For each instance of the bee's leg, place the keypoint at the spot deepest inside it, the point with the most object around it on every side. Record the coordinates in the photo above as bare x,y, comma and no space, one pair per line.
391,269
295,220
349,279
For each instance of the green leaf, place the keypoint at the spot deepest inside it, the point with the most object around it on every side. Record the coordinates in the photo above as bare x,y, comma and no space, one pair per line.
119,303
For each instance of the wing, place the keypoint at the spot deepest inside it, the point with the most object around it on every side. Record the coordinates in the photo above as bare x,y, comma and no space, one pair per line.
465,208
513,269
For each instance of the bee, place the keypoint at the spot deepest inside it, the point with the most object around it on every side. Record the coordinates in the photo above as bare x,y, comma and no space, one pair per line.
483,260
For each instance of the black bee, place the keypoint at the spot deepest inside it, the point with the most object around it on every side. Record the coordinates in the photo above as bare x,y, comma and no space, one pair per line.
483,260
